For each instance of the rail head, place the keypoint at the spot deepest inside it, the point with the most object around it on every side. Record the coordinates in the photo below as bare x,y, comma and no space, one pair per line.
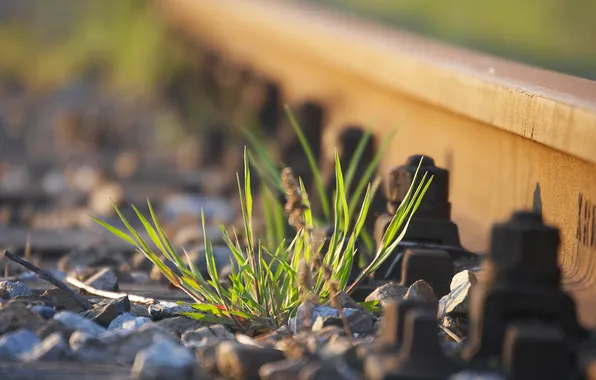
553,109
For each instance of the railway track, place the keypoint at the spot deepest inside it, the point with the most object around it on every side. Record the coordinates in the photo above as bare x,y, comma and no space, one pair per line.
497,136
512,136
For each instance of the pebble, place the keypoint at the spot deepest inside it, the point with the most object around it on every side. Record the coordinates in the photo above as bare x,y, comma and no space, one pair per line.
45,312
387,293
119,345
179,325
296,323
104,315
128,321
164,360
10,289
242,362
456,302
136,323
203,335
166,309
16,316
53,348
62,300
13,344
52,326
421,291
78,322
105,279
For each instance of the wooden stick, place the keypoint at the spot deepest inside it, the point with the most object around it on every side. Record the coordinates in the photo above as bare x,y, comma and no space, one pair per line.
47,276
451,334
103,293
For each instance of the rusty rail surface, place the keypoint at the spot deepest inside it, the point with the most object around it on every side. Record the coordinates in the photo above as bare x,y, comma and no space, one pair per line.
512,136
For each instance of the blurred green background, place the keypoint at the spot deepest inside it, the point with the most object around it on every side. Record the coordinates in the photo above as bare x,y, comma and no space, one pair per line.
559,35
46,42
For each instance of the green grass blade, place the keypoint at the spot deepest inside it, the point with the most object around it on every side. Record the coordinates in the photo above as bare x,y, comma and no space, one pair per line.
311,161
116,232
370,170
356,157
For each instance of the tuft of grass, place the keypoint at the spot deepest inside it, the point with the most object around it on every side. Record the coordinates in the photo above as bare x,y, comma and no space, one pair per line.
269,172
267,285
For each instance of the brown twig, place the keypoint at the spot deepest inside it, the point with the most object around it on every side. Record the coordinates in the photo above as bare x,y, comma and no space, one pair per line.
451,334
103,293
47,276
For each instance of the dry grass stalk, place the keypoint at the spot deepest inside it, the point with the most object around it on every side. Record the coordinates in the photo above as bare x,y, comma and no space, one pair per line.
294,207
333,291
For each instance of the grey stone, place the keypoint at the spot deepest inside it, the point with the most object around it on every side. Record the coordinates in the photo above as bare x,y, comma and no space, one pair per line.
105,314
203,335
296,323
164,359
128,321
13,344
386,293
45,312
78,322
140,310
105,279
120,319
360,322
89,349
242,362
136,323
119,344
16,316
53,348
421,291
179,325
10,289
166,309
456,302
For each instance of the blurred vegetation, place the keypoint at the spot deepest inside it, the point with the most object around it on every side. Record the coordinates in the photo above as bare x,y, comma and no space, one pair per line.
45,42
49,42
553,34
